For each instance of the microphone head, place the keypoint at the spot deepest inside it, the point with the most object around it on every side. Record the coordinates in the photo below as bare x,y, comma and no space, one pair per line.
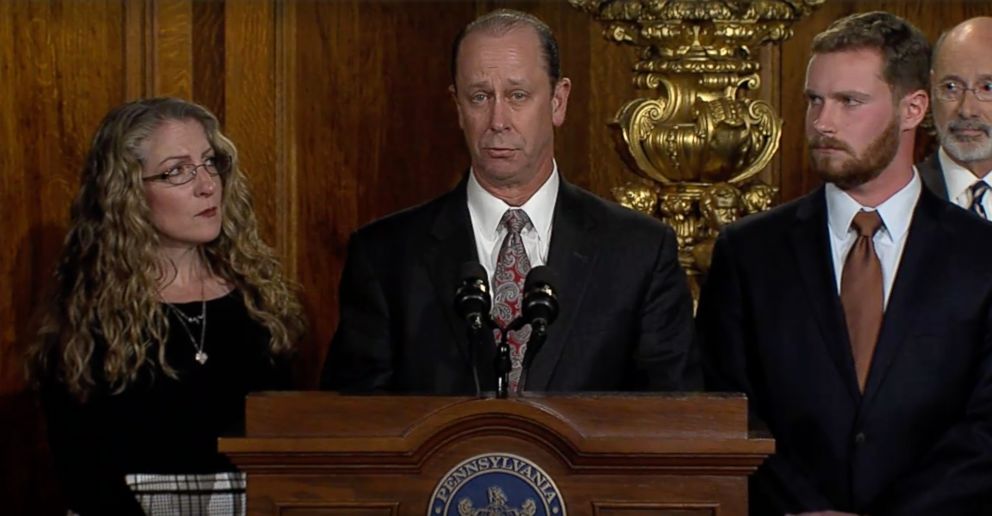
472,299
473,271
542,274
540,303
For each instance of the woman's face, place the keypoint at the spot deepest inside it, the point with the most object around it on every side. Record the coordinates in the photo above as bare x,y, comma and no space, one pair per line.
184,215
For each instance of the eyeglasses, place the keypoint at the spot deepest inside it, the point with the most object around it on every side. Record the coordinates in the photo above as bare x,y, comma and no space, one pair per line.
953,91
184,173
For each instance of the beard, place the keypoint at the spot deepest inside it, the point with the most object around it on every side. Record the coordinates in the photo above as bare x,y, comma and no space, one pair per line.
966,149
858,169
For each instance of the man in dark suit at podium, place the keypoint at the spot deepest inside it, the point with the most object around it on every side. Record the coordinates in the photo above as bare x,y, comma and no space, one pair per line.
625,320
961,169
858,319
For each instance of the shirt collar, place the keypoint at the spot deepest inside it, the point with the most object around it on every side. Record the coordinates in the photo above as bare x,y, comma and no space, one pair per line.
896,212
488,209
958,178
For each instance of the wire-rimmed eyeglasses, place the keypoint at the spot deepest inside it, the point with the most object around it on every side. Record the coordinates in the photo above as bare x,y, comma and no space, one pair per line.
185,172
952,90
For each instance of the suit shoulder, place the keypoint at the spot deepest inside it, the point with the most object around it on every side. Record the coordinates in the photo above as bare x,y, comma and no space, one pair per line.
965,225
613,214
770,222
406,221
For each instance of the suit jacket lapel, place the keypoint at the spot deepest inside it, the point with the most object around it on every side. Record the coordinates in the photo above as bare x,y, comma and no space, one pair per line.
912,284
811,245
454,245
571,254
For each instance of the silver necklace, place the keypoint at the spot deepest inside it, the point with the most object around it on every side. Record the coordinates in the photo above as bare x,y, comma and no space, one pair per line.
200,356
192,319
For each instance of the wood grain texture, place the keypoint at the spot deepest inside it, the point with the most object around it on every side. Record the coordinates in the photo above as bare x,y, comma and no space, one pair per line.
648,509
661,451
631,417
172,48
48,111
250,102
138,40
376,130
60,71
208,57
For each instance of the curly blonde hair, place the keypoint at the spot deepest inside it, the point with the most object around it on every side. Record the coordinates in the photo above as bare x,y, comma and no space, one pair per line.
105,321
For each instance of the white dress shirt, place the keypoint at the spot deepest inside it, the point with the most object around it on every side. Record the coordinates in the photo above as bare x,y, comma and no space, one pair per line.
896,213
959,180
486,211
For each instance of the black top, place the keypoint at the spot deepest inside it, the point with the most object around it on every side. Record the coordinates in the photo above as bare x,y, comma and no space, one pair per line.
161,424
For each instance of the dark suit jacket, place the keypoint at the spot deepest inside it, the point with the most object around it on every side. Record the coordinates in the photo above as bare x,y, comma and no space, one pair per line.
933,176
625,319
919,441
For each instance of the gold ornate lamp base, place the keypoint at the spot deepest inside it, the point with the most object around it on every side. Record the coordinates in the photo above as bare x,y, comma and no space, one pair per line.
697,212
698,140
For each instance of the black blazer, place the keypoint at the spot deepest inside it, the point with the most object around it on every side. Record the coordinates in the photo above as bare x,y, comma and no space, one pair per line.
933,175
625,319
919,441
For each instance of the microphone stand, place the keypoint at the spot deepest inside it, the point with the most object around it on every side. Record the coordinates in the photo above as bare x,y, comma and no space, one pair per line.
503,362
503,365
538,334
476,330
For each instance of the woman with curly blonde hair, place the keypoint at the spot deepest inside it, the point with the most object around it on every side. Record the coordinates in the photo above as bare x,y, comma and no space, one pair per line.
167,309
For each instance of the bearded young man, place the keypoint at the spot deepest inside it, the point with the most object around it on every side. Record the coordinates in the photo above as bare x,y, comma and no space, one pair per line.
858,319
961,169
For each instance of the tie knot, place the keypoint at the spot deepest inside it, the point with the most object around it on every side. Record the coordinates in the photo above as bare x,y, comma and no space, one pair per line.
866,223
978,189
515,220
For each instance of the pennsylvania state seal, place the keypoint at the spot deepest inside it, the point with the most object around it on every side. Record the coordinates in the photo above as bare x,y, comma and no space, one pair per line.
496,484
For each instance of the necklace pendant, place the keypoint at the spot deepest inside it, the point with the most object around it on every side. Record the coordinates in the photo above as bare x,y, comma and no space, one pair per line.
201,357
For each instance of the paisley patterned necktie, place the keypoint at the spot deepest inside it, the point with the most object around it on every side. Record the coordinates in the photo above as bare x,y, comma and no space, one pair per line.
512,266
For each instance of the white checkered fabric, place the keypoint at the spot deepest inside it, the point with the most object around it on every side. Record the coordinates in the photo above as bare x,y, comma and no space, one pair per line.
211,494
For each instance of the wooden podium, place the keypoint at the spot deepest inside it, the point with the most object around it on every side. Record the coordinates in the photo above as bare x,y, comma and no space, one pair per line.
318,453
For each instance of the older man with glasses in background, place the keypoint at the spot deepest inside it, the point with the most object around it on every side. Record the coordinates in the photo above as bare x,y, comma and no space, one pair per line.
961,81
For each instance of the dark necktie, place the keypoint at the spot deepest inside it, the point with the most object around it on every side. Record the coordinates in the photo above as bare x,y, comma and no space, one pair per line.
861,293
978,191
512,266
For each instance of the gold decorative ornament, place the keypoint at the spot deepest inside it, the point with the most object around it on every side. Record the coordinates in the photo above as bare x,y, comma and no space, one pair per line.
698,137
639,196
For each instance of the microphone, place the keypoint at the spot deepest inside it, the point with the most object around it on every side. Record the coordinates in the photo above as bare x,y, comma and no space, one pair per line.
539,309
472,301
540,303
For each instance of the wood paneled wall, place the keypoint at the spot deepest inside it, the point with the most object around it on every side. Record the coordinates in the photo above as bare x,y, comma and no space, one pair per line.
53,91
341,113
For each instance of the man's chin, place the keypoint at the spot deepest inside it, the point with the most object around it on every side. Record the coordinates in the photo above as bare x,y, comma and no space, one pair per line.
497,171
968,150
829,169
846,179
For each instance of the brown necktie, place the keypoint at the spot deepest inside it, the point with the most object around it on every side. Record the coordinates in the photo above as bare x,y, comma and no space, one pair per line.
861,293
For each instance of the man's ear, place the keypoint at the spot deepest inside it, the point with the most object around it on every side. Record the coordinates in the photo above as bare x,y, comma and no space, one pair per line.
559,101
454,97
913,109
